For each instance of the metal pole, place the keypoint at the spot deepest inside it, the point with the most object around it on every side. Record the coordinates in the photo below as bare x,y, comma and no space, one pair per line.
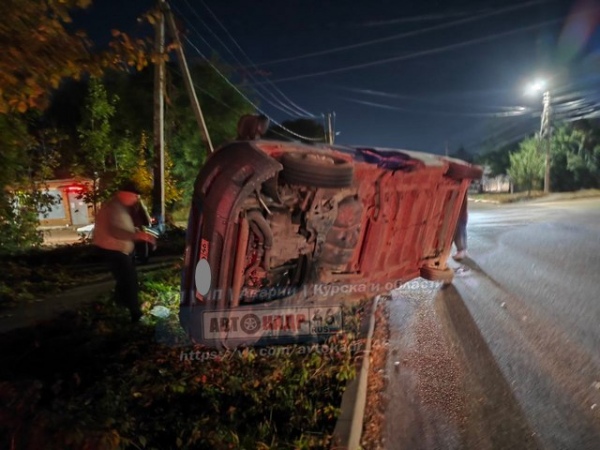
545,134
187,78
158,190
333,129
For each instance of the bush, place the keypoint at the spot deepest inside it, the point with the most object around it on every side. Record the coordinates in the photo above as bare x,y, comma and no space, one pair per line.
94,381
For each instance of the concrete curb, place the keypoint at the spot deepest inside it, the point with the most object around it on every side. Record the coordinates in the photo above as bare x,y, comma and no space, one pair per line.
348,429
493,202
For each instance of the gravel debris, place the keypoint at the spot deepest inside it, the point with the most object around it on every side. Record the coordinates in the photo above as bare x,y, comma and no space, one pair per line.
374,420
440,375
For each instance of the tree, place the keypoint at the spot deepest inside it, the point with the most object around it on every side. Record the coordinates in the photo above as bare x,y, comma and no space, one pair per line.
222,105
498,159
527,165
106,156
40,51
96,159
45,52
576,157
133,119
27,161
142,174
575,151
184,147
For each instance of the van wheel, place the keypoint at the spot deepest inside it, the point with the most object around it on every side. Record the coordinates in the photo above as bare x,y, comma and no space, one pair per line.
317,169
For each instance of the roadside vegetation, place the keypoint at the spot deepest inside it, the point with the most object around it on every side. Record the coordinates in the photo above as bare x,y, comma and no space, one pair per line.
93,380
41,273
70,109
574,156
90,380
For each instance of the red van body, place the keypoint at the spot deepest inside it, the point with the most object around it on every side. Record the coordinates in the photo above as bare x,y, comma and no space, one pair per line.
269,218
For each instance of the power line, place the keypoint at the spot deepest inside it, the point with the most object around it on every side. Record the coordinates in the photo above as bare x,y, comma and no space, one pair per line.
289,108
432,51
499,110
518,112
571,105
405,34
204,91
282,108
253,65
293,133
415,19
421,99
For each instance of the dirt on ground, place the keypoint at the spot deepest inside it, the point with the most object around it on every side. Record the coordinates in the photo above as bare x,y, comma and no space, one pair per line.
374,418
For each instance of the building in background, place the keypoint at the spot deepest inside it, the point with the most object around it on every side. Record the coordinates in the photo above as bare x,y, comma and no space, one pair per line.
69,206
499,183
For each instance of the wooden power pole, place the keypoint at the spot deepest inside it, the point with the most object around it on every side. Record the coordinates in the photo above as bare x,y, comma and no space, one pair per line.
187,78
158,190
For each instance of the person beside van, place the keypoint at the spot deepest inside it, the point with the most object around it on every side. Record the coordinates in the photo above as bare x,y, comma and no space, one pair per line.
115,236
460,235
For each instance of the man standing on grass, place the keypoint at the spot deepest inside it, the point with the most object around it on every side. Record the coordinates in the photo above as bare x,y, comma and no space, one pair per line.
114,235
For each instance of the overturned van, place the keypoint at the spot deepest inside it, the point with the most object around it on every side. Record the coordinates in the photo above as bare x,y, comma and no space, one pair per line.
281,221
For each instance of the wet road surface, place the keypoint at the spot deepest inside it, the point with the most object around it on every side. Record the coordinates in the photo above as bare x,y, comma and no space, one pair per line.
509,356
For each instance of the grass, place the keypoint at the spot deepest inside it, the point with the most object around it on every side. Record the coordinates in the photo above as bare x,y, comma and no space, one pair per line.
92,380
46,271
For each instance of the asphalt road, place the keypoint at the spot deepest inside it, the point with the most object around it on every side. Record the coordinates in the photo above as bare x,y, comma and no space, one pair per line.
509,356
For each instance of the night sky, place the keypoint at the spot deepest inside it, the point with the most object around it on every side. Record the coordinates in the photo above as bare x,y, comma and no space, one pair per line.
403,74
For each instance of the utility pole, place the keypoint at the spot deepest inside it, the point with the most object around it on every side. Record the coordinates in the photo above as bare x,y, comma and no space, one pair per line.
545,137
158,190
330,131
333,133
187,78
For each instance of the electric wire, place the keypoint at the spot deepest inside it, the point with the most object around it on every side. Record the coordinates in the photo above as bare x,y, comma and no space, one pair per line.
431,51
565,106
293,133
282,108
252,64
518,112
404,35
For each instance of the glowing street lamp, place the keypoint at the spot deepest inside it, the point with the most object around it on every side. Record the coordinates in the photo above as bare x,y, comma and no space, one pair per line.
536,87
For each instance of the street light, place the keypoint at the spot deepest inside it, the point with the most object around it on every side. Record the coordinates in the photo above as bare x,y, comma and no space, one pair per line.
536,86
545,129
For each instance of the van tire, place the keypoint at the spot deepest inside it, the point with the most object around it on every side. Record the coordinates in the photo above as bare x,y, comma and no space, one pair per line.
317,170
